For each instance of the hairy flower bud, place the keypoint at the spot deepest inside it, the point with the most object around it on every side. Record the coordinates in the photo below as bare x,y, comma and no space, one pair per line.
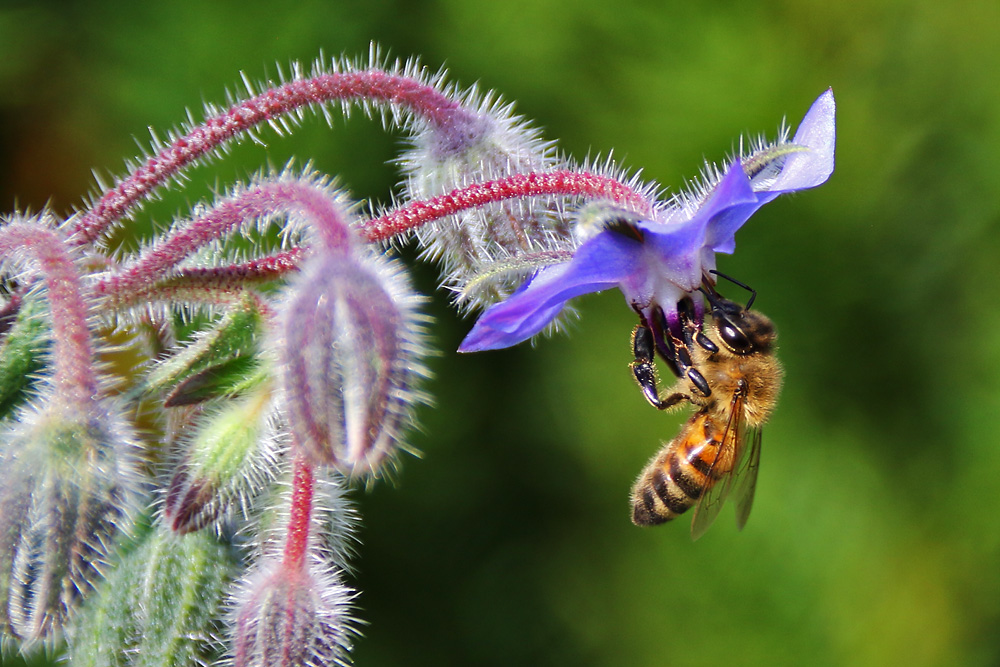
66,492
231,454
484,141
159,606
293,608
352,358
292,616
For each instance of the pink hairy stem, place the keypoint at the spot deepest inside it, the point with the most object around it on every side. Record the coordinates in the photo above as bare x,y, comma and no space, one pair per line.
567,183
300,515
421,99
72,357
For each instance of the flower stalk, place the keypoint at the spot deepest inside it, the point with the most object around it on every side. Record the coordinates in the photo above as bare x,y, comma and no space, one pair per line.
285,194
300,515
577,184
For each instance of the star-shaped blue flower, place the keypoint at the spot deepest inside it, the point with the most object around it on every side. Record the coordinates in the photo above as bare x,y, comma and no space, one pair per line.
657,262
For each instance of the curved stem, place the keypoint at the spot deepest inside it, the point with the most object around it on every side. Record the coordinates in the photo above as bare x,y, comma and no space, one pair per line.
307,199
176,292
567,183
217,285
74,377
261,269
374,85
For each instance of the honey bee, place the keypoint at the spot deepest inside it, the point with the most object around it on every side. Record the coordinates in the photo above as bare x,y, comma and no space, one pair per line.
728,371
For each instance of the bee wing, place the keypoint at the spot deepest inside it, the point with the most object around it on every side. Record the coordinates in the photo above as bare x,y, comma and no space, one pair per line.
745,477
728,457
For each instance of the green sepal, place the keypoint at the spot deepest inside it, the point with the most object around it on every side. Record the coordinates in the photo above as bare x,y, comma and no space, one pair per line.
227,378
224,445
160,606
22,351
216,362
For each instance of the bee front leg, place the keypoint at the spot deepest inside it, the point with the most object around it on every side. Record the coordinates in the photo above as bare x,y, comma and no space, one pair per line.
692,334
643,349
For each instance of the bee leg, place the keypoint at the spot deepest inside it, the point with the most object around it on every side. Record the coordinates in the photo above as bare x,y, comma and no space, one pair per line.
699,382
691,334
644,350
663,340
705,342
691,329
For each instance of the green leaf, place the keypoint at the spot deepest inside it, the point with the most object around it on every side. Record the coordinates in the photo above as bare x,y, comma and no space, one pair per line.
227,378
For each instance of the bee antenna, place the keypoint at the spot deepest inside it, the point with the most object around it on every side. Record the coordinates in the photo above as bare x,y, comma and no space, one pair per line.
753,292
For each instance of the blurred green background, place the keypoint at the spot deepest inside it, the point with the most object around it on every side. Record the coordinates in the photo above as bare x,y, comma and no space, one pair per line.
875,539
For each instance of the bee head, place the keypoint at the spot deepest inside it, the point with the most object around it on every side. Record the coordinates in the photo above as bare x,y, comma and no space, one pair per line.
742,331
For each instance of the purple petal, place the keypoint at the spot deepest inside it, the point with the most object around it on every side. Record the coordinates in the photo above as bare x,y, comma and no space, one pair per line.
601,263
802,170
818,132
731,204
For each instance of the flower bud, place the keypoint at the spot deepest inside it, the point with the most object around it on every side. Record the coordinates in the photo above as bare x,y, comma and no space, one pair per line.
230,455
484,142
291,616
66,493
352,358
293,607
159,606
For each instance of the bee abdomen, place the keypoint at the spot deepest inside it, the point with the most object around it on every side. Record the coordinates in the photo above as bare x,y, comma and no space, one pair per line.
667,488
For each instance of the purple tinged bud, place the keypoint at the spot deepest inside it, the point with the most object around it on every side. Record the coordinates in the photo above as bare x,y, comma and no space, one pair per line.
67,490
484,142
191,501
292,616
353,353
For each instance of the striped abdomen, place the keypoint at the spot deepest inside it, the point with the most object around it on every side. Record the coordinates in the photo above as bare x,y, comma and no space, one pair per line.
682,472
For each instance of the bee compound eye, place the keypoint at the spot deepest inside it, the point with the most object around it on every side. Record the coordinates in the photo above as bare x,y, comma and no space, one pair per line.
734,339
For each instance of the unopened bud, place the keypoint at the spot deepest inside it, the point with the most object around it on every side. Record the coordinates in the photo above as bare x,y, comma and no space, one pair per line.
352,359
230,455
484,143
291,616
66,493
160,604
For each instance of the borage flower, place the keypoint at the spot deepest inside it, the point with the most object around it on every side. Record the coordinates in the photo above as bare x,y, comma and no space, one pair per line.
657,262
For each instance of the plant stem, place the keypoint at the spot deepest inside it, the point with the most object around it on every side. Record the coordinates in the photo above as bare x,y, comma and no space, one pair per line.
300,514
312,201
567,183
74,378
372,85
